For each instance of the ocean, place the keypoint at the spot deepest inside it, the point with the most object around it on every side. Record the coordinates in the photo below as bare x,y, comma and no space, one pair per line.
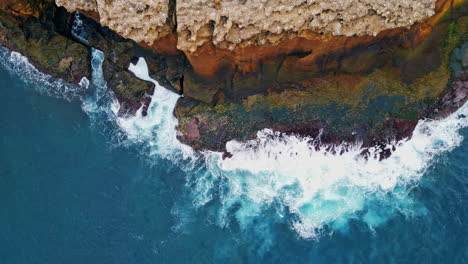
78,184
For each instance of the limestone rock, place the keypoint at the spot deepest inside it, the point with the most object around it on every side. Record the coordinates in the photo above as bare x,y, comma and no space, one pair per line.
139,20
84,5
231,23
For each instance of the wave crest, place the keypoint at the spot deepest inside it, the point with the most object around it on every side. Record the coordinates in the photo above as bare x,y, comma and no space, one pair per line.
313,190
18,65
322,187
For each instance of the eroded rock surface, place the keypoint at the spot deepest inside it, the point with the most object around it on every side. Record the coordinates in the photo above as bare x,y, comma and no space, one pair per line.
41,31
40,39
228,23
345,88
140,20
373,92
231,23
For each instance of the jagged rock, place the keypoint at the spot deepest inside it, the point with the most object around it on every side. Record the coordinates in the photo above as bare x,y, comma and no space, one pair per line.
254,22
139,20
49,45
46,49
372,94
366,88
119,53
228,24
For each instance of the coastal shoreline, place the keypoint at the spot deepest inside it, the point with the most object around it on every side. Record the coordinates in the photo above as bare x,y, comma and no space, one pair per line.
346,89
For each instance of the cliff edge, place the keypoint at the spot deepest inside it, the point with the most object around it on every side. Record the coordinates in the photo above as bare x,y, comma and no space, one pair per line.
359,70
231,23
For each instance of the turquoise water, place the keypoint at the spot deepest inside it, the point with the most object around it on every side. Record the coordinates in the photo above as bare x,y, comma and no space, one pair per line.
79,185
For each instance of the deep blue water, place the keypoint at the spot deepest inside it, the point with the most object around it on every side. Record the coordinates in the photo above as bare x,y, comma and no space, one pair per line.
70,194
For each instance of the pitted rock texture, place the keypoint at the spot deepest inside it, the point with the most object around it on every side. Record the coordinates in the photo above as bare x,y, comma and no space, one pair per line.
84,5
139,20
231,23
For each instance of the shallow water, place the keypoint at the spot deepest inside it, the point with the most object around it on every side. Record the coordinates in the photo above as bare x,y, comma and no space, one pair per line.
79,184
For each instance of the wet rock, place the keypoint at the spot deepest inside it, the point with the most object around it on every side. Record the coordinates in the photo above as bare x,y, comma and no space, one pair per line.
374,102
371,89
131,92
46,49
193,130
459,60
168,70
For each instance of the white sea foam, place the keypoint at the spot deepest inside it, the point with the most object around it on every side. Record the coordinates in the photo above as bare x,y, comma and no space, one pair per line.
310,189
100,102
320,187
158,126
77,29
314,188
19,65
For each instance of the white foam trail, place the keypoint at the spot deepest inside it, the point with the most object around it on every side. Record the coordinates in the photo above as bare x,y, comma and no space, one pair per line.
77,29
100,101
308,188
318,187
18,65
158,126
321,187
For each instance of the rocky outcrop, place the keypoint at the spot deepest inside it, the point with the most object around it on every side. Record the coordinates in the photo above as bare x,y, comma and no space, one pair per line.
373,91
41,31
119,52
343,88
83,5
40,39
215,68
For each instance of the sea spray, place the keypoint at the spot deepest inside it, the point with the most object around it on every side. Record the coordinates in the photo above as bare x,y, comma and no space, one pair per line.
311,190
77,29
314,188
99,103
320,187
18,65
157,128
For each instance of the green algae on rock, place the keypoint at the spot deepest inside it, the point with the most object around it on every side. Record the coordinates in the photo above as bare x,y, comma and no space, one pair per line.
356,100
43,33
370,88
119,53
46,49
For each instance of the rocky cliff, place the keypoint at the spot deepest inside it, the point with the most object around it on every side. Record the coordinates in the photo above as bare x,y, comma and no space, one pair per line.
228,24
361,70
231,23
139,20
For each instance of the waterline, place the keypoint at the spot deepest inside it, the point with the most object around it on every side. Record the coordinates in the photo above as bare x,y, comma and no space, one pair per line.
313,191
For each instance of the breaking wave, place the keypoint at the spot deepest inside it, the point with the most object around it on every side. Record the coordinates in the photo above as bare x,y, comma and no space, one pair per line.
18,65
321,189
313,191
